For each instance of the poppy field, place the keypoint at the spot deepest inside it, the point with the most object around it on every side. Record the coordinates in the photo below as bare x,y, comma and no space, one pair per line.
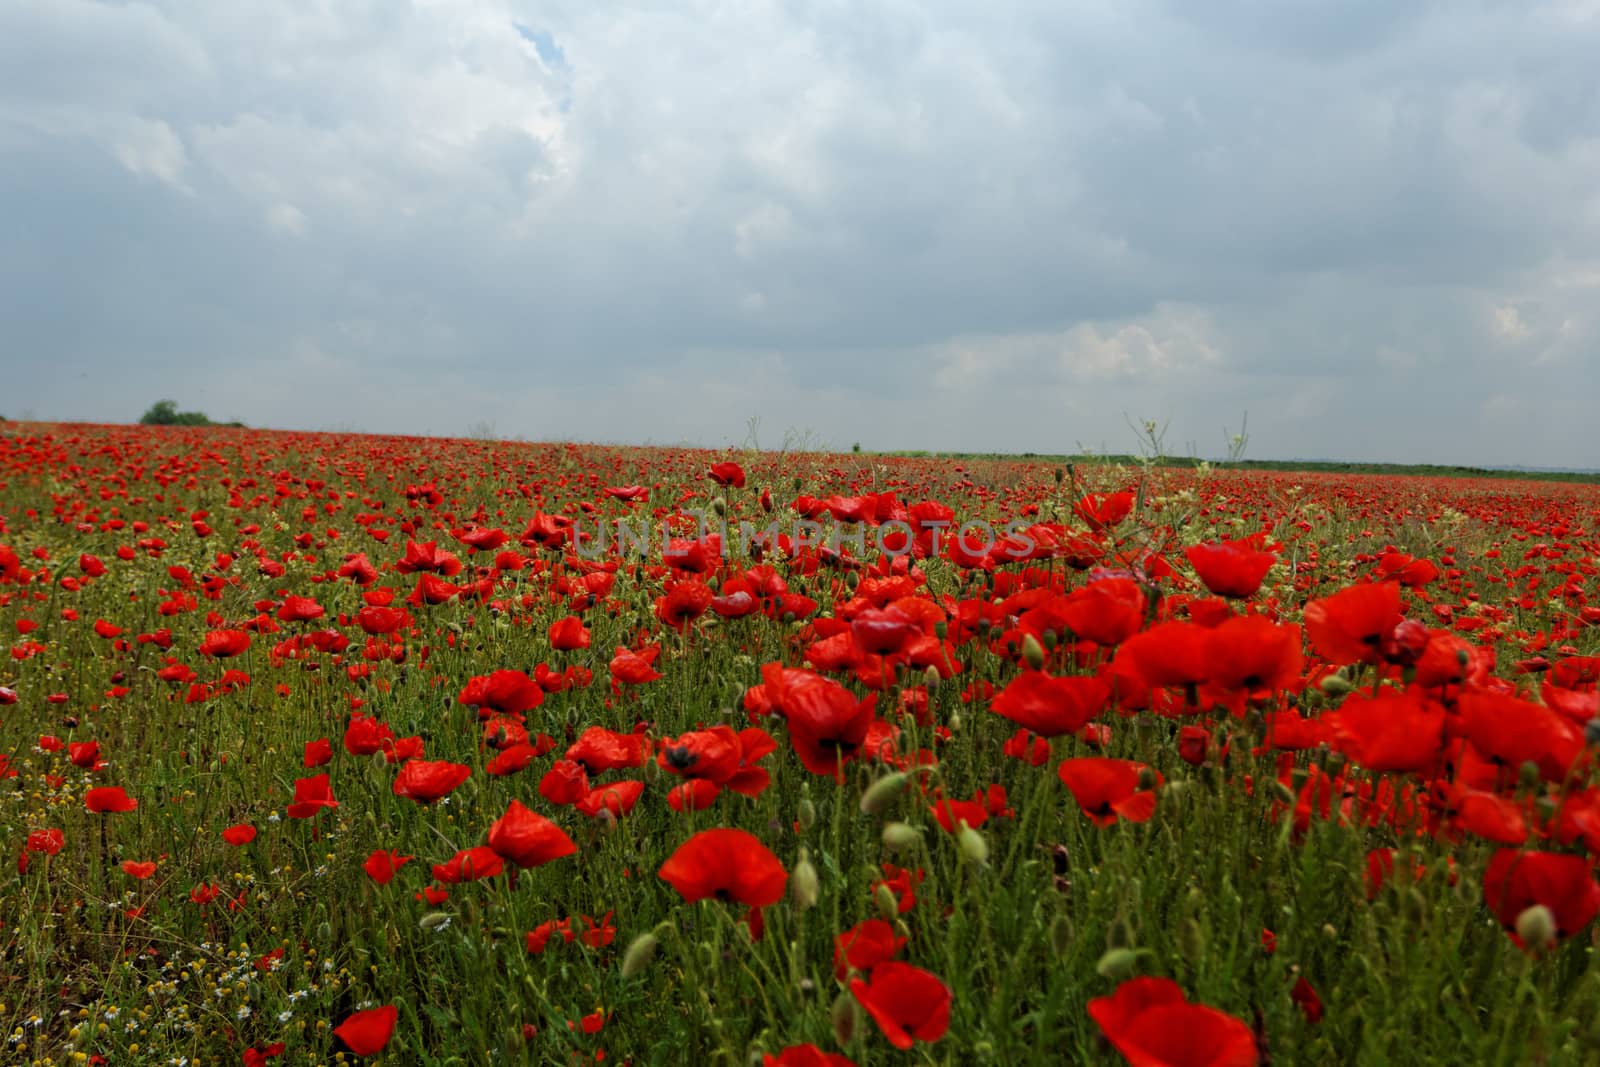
334,748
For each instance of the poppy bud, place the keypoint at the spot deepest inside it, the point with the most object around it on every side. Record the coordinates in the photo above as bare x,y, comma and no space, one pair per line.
1536,926
1118,935
434,921
1528,774
805,814
845,1017
1192,940
1334,763
930,678
1330,931
1147,778
803,886
719,505
898,837
973,846
1117,964
1282,792
887,906
1337,685
1061,935
883,792
640,952
1032,652
954,722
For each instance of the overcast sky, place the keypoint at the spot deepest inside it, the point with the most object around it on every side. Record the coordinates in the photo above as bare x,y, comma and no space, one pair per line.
1373,225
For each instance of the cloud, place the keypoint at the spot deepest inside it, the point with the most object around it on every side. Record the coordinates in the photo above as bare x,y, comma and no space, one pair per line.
1371,225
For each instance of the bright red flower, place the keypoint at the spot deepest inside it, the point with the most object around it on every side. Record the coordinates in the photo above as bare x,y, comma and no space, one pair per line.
239,835
109,798
827,724
635,668
728,865
527,838
427,780
224,644
136,869
864,946
367,1032
1107,789
318,753
1052,707
300,609
568,634
382,865
311,795
1230,568
1516,881
601,750
1170,654
470,864
507,692
805,1056
1251,652
1151,1022
1107,612
727,473
1393,731
1351,625
908,1003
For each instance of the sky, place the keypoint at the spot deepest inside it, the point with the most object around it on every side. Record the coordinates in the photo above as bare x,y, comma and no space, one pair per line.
1371,227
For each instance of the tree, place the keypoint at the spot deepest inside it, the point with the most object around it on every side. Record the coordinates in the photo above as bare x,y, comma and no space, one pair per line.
166,413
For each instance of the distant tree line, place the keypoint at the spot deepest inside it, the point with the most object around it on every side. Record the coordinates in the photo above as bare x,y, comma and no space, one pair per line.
166,413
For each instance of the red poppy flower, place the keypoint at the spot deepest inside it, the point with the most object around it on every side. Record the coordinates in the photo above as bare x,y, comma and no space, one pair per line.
468,865
827,724
1516,881
111,798
728,865
805,1056
527,838
908,1003
1251,652
1512,732
506,692
429,558
727,473
1107,612
1102,510
1152,1024
1107,789
1393,731
1052,707
601,750
864,946
683,603
300,609
1351,625
1171,654
616,797
427,780
382,865
136,869
564,783
224,644
367,1032
568,634
635,668
1230,568
239,835
311,795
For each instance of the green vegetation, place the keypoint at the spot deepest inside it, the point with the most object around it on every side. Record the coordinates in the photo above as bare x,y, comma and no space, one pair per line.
166,413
